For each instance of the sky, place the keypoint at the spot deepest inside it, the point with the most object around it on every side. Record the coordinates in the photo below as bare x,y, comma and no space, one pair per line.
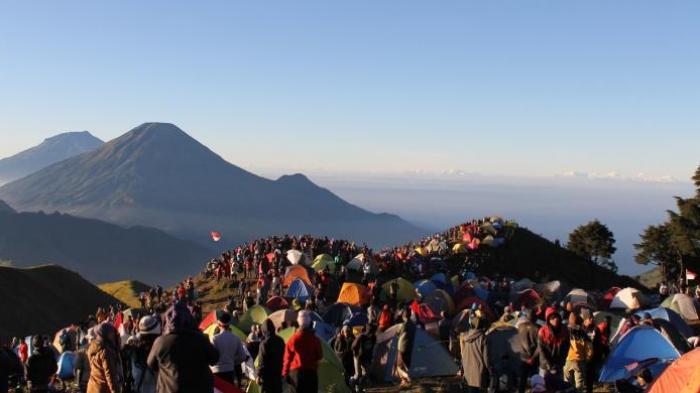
589,88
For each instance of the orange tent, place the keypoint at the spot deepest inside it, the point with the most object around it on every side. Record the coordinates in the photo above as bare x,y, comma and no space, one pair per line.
353,294
682,376
296,271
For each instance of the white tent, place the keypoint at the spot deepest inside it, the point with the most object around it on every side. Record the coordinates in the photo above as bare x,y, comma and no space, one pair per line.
295,257
628,298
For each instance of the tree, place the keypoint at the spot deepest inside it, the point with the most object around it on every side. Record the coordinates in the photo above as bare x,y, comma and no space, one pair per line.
595,242
656,248
696,180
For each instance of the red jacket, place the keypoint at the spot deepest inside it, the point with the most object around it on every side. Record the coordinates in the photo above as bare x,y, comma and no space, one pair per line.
302,352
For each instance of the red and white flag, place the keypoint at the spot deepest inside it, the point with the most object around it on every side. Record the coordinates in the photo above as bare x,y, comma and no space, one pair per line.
690,275
221,386
215,236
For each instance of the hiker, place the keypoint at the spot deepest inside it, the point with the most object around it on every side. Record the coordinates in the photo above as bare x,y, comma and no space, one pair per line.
529,351
552,342
475,357
271,356
106,373
41,365
580,351
342,346
253,341
302,355
231,352
10,366
144,378
182,355
598,355
362,350
444,327
407,335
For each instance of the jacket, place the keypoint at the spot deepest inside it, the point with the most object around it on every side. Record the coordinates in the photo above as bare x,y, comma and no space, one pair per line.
41,366
182,360
475,358
10,364
580,346
553,346
106,374
231,352
302,352
271,357
527,335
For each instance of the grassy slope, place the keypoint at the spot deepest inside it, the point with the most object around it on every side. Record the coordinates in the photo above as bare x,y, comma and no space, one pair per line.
126,292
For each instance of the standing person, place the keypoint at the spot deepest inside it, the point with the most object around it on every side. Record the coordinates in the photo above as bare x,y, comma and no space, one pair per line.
342,346
81,367
407,335
271,358
145,379
596,360
529,352
362,350
301,357
106,375
10,365
475,356
552,342
41,366
580,351
231,352
182,355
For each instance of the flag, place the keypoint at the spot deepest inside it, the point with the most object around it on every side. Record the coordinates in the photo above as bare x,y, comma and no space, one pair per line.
221,386
690,275
215,236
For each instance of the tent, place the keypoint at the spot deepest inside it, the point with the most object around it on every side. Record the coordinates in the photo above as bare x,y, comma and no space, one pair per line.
682,376
672,334
322,262
281,316
628,298
607,298
212,329
277,303
296,257
683,305
425,287
358,263
330,369
255,315
299,289
439,278
459,248
523,284
339,312
353,294
429,357
639,344
293,272
670,316
406,291
504,348
440,300
424,312
528,298
580,298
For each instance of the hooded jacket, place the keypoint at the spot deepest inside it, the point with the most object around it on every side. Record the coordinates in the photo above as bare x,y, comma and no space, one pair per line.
553,346
475,358
302,352
106,375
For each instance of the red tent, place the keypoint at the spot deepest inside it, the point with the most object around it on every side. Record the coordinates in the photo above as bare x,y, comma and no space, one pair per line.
424,312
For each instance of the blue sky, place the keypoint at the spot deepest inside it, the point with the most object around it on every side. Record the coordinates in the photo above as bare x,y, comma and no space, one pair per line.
497,87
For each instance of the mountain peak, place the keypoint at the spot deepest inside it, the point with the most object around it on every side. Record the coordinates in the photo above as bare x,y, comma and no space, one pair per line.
5,208
72,135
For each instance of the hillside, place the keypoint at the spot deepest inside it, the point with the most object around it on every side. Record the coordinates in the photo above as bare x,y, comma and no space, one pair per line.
43,299
651,278
50,151
100,251
126,292
158,176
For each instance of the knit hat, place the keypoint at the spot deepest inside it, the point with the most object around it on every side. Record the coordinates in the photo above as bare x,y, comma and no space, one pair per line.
149,325
537,383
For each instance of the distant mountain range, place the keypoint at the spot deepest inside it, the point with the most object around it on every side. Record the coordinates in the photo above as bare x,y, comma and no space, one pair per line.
52,150
44,299
158,176
100,251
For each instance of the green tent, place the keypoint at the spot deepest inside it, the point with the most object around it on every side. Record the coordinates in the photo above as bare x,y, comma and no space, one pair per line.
322,261
254,315
330,369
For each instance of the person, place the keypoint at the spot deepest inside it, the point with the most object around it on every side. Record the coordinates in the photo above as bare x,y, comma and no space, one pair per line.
271,357
231,351
475,356
144,379
342,346
41,365
302,355
552,342
182,355
598,355
529,352
644,379
580,351
407,335
81,367
444,327
106,374
10,365
253,341
362,350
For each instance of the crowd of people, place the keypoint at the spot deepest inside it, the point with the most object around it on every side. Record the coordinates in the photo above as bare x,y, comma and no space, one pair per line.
161,347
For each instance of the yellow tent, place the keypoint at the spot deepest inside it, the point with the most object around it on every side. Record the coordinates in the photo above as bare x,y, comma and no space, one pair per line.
459,248
421,251
406,290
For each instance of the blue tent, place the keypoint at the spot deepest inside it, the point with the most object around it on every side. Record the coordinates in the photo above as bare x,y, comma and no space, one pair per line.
324,330
642,343
425,287
300,290
676,320
357,319
439,278
481,292
337,313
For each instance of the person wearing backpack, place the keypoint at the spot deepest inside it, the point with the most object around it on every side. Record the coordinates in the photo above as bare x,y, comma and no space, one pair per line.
144,378
580,351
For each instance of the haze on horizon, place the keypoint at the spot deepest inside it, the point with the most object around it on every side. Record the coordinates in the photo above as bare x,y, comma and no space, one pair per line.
533,95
